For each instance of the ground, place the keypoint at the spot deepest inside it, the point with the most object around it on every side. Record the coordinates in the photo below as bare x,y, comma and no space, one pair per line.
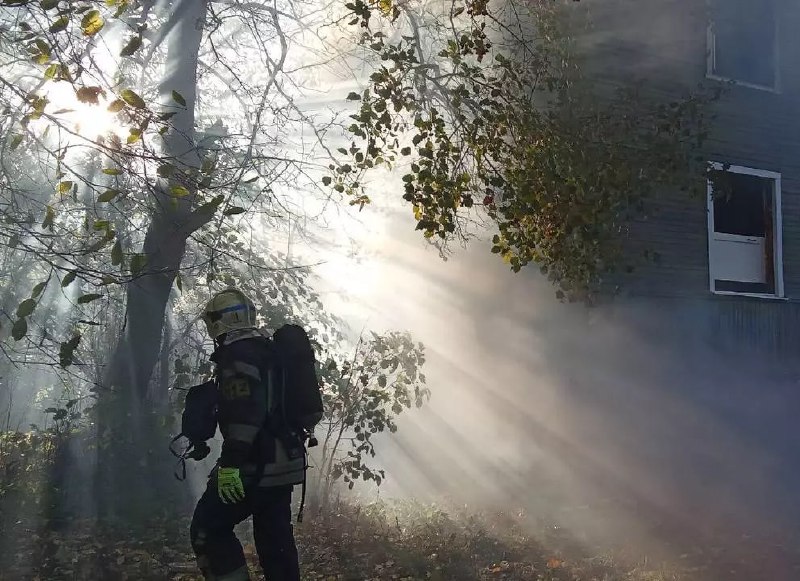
401,541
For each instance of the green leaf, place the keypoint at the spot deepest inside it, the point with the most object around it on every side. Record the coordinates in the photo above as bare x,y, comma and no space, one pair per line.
165,170
133,99
19,330
209,163
48,218
353,96
107,196
48,4
66,352
59,24
112,171
43,47
138,262
37,290
88,298
179,284
64,187
116,105
116,253
122,6
25,308
233,210
211,206
178,98
326,181
15,141
51,71
179,191
92,23
132,46
68,278
134,136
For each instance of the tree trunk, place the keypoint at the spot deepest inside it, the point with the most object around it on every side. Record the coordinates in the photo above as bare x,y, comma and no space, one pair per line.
133,465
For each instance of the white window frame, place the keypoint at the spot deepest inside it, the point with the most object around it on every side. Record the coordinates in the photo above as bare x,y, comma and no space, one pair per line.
711,61
777,234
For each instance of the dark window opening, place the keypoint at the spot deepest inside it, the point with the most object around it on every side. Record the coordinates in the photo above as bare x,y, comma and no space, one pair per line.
744,35
743,241
744,206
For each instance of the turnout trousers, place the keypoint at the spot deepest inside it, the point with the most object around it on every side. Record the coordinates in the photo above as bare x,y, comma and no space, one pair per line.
219,553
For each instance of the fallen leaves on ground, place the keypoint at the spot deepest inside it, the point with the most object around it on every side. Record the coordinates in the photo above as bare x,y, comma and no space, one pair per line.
402,541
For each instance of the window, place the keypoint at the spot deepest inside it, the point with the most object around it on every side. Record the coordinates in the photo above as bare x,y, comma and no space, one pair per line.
743,47
744,232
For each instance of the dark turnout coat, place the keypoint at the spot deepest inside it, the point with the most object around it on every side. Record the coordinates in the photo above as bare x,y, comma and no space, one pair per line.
247,372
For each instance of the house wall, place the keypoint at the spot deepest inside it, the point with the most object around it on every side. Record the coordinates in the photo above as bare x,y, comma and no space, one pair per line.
663,43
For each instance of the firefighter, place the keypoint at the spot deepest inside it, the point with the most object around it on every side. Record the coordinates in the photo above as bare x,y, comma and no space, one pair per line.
256,471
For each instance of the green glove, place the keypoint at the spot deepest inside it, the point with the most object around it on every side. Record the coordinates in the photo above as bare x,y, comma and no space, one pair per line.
229,485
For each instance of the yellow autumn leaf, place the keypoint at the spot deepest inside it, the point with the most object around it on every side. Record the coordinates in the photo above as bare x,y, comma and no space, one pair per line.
92,23
385,7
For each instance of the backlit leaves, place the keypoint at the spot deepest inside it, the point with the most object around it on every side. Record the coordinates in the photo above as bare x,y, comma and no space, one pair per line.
165,170
116,253
116,105
50,215
26,307
138,263
211,206
89,95
92,22
132,46
88,298
66,352
19,330
59,24
365,394
557,171
37,290
107,196
133,99
178,98
68,278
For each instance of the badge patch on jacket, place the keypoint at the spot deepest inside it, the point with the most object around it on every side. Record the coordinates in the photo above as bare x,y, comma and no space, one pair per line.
235,388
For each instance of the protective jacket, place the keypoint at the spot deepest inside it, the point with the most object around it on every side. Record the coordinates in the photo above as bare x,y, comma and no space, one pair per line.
247,371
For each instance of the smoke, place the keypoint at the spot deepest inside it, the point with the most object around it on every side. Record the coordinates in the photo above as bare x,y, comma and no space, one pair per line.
621,423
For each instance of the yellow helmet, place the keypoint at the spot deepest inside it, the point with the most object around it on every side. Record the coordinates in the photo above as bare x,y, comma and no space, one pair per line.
229,310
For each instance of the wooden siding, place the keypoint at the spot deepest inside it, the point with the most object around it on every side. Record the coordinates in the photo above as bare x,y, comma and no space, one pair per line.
663,44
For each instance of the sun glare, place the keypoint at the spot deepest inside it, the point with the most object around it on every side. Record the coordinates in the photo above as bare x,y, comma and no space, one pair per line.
88,120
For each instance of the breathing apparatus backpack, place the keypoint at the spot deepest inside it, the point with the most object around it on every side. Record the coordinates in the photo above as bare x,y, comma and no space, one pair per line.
296,398
297,401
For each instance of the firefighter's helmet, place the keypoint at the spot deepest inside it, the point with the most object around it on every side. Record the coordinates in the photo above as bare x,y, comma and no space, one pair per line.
229,310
